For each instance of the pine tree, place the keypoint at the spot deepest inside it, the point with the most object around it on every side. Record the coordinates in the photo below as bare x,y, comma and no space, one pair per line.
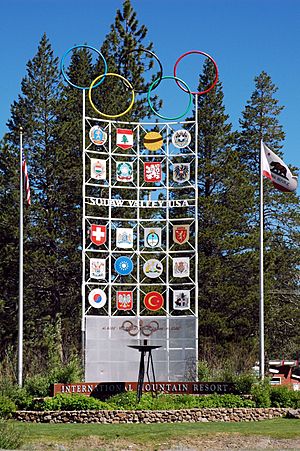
122,51
260,120
9,245
36,111
223,207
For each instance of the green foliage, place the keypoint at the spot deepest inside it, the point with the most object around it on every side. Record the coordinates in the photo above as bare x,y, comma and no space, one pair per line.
284,397
203,371
260,120
261,393
66,373
128,401
7,406
71,402
10,436
40,385
244,383
19,396
37,385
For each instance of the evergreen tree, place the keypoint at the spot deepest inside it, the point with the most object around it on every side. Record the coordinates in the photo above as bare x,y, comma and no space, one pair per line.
36,111
260,120
9,245
223,208
122,51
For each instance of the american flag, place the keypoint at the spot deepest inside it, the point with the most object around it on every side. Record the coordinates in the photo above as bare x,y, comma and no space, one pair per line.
26,179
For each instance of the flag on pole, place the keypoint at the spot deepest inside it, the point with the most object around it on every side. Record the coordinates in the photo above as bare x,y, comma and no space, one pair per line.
276,170
26,178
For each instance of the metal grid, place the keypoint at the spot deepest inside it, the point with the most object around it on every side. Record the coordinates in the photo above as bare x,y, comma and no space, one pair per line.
139,205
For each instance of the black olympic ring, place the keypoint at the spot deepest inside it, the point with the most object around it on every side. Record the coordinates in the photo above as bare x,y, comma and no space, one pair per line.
146,330
123,58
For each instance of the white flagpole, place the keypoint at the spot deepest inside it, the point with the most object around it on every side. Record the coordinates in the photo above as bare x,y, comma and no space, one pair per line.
20,332
261,272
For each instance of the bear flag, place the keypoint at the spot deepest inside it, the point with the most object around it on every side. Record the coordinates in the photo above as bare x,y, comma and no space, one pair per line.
277,171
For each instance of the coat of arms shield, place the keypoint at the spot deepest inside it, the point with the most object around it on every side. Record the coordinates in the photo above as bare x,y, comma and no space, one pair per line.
181,233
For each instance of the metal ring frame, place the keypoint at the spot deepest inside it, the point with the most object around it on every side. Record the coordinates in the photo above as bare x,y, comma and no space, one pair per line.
63,69
154,85
212,60
111,115
149,53
188,91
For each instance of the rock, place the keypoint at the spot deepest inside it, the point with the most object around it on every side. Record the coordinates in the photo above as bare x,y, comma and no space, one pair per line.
293,413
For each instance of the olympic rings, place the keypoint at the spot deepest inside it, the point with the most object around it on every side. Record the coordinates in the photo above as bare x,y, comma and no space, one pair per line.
133,329
63,69
212,60
126,82
178,80
149,53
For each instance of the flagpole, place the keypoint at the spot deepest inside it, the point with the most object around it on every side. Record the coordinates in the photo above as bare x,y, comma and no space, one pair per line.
20,330
261,273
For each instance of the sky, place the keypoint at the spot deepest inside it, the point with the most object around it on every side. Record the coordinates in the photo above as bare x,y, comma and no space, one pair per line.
244,37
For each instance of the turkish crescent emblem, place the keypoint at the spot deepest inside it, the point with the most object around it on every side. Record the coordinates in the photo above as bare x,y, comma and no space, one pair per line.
153,301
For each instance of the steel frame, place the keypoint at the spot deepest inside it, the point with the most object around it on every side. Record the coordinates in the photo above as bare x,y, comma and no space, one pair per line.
167,252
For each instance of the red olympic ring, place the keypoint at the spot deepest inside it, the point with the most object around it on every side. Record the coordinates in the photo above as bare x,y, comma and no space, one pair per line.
199,53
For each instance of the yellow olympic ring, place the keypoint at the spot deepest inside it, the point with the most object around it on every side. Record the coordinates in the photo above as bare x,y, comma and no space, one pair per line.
126,82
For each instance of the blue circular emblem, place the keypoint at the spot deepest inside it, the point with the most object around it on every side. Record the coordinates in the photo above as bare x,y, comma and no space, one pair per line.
123,266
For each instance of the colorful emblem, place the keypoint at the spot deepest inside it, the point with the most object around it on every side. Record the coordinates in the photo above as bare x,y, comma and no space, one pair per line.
98,234
124,171
124,138
98,169
152,171
153,268
124,300
124,238
181,172
153,301
97,135
153,140
152,237
123,266
97,298
97,268
181,299
181,233
181,267
181,138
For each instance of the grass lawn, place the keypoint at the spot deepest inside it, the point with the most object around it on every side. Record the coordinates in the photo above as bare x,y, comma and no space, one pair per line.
156,436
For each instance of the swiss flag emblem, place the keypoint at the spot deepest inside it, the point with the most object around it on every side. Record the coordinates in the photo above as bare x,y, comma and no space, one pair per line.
98,234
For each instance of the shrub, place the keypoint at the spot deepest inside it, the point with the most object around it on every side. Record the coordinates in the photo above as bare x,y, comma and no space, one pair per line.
203,371
284,397
38,386
71,402
244,382
127,401
10,437
66,374
261,393
15,393
7,406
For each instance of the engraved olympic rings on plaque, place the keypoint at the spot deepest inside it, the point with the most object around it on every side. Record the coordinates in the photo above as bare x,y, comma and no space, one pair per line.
146,329
198,52
62,67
